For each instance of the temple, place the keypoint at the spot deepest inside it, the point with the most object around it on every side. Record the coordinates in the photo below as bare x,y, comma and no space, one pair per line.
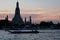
17,17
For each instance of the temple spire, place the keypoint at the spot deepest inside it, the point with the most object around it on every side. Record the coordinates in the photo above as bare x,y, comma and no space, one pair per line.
6,18
17,17
17,4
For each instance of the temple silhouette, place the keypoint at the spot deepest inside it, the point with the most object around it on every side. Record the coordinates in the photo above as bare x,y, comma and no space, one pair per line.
17,18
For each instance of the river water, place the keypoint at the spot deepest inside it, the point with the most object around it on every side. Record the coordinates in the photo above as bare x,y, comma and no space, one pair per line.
43,35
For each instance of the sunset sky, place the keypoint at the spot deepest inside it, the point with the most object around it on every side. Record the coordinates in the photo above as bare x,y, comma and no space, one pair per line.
40,10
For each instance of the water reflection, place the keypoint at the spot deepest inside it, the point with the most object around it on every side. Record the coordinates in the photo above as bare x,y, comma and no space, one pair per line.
44,35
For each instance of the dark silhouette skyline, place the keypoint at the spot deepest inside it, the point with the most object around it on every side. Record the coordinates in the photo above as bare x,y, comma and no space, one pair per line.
17,23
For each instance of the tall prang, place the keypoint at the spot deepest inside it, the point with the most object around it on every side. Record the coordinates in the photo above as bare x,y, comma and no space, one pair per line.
17,18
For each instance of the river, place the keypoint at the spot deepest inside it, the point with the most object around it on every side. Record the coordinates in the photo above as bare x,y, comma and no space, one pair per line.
43,35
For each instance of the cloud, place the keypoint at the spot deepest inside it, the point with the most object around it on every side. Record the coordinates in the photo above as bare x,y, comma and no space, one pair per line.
32,11
52,10
49,14
6,12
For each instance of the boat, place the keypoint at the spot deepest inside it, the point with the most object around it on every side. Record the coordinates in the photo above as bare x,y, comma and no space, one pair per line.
18,31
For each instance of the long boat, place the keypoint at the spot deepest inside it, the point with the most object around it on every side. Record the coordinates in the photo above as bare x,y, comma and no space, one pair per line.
18,31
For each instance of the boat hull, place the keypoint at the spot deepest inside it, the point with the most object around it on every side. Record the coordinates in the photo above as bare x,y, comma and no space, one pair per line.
17,32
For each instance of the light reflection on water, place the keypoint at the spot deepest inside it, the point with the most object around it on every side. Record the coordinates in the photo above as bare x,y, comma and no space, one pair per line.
43,35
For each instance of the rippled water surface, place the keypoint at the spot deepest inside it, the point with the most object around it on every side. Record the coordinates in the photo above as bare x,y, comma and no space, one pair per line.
43,35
